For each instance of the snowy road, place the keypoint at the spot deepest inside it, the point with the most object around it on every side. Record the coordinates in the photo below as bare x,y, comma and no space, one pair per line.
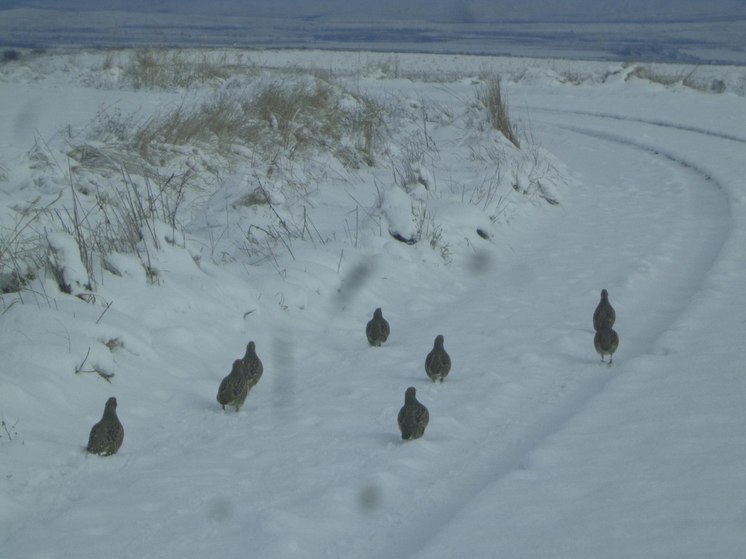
656,442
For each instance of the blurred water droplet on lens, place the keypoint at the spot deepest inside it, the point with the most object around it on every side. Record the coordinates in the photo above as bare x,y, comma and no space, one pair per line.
220,510
370,498
353,282
479,262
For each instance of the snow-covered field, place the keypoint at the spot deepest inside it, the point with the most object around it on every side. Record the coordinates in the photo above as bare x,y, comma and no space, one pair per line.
534,448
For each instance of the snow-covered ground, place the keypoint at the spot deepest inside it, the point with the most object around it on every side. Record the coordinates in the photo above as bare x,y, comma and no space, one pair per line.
534,449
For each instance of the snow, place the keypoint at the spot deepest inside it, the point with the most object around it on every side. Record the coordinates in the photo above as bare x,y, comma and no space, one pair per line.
534,449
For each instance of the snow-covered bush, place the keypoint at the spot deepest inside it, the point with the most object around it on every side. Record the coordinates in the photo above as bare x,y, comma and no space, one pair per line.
21,247
278,117
10,55
17,261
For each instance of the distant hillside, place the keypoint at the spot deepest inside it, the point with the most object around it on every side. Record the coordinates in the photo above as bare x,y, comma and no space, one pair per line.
686,31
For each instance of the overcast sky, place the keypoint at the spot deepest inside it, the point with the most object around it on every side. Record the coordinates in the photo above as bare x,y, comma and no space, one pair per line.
432,10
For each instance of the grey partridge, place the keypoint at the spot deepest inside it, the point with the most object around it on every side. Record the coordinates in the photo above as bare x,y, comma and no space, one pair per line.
604,315
606,342
234,388
438,362
413,416
107,435
377,329
252,365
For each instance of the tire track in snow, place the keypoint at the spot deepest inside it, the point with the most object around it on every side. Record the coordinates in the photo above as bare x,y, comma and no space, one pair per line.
650,148
658,123
676,305
554,420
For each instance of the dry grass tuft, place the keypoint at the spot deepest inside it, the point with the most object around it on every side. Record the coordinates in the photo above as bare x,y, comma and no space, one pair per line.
491,96
277,116
164,69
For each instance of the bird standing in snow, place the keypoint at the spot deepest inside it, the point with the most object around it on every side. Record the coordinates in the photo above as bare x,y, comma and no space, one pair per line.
234,387
604,315
252,365
107,435
606,342
413,416
438,362
377,329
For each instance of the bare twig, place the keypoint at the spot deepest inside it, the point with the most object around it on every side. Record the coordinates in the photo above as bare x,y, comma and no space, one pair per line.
108,306
103,374
96,369
10,430
79,368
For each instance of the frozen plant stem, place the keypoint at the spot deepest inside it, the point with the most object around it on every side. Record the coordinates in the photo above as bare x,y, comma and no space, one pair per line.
10,431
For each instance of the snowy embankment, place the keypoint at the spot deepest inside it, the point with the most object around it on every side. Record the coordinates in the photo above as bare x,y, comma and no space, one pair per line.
533,449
